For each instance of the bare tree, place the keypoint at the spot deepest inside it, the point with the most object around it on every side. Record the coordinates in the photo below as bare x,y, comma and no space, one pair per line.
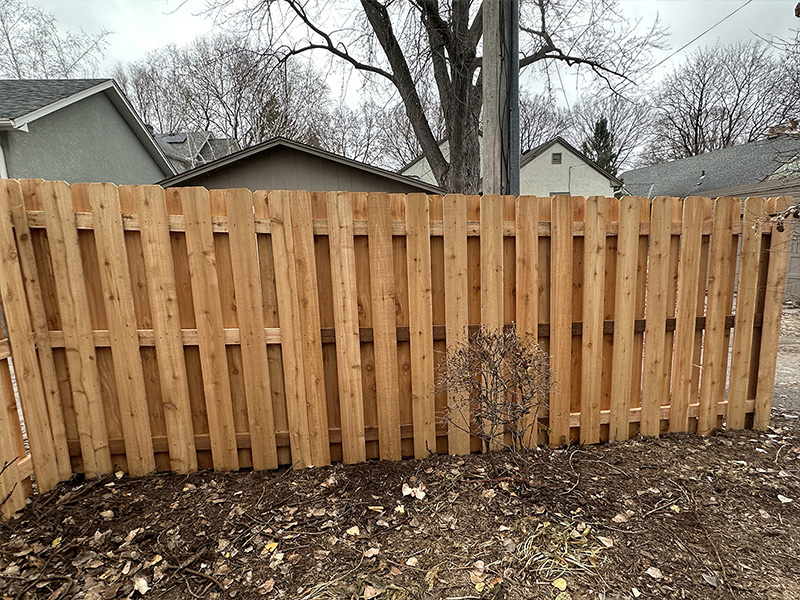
412,44
540,120
722,95
629,118
222,84
33,47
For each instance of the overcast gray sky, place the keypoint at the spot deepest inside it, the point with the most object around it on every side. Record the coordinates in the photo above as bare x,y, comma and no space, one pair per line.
143,25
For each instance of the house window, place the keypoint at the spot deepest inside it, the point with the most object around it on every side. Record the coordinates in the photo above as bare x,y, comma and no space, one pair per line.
556,158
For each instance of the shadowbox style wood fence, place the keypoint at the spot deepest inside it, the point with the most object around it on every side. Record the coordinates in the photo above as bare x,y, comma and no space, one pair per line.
183,329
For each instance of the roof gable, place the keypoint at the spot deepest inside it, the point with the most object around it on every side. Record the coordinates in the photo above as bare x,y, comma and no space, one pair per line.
277,142
534,153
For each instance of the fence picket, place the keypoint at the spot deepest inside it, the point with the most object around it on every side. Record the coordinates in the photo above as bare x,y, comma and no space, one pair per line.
561,318
456,292
715,352
686,312
420,312
773,307
208,312
656,315
345,309
249,308
593,286
115,278
625,302
746,297
379,213
62,236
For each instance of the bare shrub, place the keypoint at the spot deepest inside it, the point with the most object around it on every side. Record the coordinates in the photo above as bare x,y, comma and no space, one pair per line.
506,378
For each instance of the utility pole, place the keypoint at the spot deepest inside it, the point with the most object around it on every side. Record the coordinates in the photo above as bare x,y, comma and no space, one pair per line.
500,144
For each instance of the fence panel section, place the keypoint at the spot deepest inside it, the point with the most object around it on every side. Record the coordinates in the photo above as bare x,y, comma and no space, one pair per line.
181,329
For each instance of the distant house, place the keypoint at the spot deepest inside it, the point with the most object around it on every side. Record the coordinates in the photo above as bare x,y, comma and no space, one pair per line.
763,168
281,164
552,168
189,149
75,130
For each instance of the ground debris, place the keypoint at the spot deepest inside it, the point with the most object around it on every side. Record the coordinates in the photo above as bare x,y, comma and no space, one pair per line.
678,517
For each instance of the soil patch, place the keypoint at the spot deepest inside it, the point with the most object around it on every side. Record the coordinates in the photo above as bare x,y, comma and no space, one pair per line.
676,517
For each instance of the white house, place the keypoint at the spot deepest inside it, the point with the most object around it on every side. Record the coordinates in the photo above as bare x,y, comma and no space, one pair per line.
553,168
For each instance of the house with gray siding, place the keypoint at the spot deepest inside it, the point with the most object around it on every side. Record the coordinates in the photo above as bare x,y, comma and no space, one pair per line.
282,164
75,130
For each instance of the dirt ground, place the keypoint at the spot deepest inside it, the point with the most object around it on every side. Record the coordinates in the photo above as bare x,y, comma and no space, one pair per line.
677,517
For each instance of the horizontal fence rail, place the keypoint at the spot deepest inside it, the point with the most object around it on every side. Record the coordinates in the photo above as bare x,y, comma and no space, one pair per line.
184,329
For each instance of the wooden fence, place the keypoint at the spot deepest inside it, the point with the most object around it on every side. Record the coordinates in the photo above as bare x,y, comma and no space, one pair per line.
183,329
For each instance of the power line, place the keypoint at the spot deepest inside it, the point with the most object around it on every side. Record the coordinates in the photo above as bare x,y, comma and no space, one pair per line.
694,39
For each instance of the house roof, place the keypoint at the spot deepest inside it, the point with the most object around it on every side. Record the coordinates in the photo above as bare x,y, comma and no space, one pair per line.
278,142
538,150
19,97
23,101
542,148
732,167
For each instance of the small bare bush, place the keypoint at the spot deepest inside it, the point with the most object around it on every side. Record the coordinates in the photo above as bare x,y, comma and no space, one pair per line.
505,378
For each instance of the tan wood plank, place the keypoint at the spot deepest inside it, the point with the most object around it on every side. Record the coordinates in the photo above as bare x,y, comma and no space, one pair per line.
561,318
686,312
773,308
288,310
715,347
592,338
456,290
208,312
492,262
12,488
250,310
73,302
164,308
345,311
624,320
384,324
115,279
311,344
746,296
421,324
658,274
30,277
527,293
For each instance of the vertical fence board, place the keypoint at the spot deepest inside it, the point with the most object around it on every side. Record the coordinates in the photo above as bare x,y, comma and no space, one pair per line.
249,308
773,307
456,290
164,307
208,313
561,318
70,285
592,339
715,352
420,305
288,309
625,306
33,291
115,279
686,313
379,219
658,273
12,489
311,344
745,312
20,333
345,309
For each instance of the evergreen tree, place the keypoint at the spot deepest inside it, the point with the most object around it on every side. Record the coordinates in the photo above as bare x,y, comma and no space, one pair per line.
600,147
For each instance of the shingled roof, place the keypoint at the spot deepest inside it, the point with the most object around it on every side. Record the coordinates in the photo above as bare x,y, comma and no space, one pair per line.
731,167
19,97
